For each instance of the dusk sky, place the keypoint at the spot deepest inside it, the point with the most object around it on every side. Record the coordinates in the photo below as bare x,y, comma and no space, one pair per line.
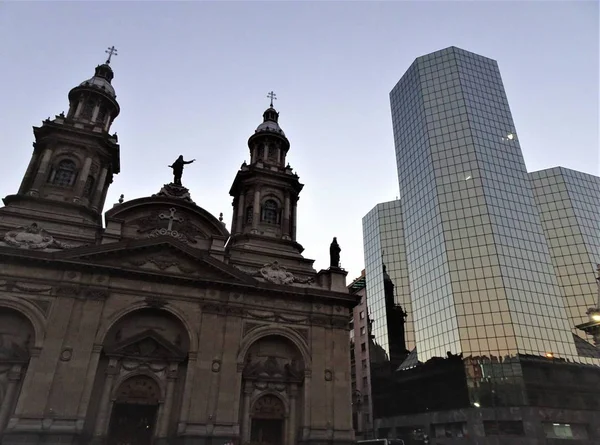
192,79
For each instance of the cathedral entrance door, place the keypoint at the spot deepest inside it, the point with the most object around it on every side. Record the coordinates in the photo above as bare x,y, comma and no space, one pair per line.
267,431
268,418
133,418
132,424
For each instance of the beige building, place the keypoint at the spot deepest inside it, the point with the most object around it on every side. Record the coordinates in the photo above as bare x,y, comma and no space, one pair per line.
161,326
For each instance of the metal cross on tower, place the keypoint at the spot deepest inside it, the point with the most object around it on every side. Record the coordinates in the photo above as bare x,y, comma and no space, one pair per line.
272,96
112,51
171,217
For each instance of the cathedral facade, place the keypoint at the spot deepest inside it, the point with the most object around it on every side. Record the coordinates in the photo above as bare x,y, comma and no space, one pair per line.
160,326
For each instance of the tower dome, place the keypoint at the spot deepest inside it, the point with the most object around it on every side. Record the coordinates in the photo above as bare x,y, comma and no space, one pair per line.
94,102
270,122
101,80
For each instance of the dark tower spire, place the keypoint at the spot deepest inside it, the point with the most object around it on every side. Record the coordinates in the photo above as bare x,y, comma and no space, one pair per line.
73,162
265,195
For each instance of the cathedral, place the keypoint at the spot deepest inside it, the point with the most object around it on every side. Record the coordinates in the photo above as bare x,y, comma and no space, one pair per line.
158,325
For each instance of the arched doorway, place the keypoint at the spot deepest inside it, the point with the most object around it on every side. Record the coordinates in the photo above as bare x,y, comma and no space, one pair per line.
133,418
149,346
16,340
268,417
272,378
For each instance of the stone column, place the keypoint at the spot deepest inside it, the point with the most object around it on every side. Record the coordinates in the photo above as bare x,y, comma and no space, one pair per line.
240,214
163,421
30,171
95,112
294,219
79,107
286,215
83,175
266,152
256,214
89,381
42,172
246,412
292,419
96,200
104,409
14,376
187,391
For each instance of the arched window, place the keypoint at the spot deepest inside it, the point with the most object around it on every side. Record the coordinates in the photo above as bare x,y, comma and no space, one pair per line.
88,109
272,153
101,115
88,188
64,174
270,212
249,214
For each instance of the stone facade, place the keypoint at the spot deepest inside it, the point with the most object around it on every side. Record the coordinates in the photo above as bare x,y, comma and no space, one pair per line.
160,327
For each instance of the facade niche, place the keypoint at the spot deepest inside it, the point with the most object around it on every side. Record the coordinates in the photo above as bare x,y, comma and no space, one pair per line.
89,186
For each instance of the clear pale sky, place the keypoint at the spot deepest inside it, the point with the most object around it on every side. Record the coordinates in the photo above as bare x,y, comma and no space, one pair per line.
192,78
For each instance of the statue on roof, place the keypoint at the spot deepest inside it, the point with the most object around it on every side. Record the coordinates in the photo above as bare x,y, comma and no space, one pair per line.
177,167
334,253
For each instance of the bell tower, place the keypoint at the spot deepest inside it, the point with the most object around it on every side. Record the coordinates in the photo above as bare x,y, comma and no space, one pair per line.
72,165
265,196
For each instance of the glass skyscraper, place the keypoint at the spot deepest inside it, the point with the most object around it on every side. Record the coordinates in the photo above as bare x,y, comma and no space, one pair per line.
385,262
569,205
481,277
494,267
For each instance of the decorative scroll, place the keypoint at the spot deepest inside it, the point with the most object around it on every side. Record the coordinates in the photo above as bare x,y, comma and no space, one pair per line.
139,390
268,407
33,237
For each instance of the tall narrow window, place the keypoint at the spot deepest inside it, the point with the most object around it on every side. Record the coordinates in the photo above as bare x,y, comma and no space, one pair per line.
89,186
272,153
101,115
88,109
249,214
270,212
64,174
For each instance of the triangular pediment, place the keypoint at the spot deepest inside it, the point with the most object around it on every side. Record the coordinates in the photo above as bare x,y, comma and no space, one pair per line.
161,256
148,345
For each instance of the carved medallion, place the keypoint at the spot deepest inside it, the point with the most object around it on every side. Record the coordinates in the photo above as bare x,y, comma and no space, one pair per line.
66,354
32,237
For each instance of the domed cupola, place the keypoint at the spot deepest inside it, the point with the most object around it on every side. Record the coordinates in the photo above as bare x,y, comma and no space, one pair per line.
101,80
93,102
269,145
270,122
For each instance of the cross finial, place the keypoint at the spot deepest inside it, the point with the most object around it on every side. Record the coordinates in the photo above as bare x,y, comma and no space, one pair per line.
272,96
112,51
